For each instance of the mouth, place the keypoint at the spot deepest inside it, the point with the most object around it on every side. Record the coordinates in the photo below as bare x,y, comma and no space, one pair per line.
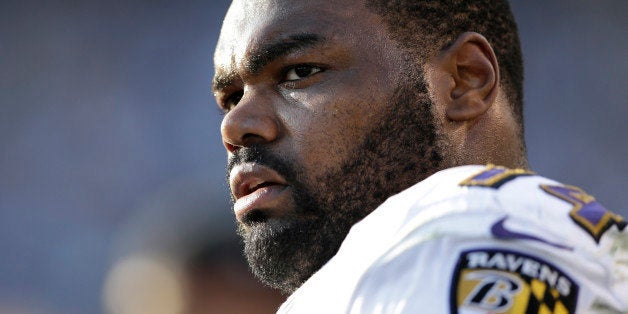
258,192
247,189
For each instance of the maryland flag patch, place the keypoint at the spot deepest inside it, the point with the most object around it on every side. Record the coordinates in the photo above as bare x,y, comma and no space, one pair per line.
503,281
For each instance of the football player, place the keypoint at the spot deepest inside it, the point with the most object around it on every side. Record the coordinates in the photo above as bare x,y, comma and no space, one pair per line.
352,128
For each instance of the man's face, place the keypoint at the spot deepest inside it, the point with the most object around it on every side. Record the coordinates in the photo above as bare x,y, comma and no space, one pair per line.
326,118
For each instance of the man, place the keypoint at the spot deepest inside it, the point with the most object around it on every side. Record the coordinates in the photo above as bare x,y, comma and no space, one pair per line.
339,114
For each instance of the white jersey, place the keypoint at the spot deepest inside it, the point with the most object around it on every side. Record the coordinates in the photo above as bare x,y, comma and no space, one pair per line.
477,239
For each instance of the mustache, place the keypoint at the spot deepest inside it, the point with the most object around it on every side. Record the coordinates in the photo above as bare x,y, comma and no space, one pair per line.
263,156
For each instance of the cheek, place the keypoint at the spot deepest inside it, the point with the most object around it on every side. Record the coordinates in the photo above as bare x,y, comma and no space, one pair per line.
320,141
325,134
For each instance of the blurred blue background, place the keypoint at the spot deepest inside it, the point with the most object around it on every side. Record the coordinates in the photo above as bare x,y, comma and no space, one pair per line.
105,107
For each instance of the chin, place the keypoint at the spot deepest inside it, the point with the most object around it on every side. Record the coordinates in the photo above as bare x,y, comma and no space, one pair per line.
284,252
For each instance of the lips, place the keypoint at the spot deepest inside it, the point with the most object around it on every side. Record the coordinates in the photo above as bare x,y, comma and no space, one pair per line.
255,188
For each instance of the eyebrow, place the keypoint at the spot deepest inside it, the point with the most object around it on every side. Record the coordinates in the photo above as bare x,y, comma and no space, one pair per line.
266,54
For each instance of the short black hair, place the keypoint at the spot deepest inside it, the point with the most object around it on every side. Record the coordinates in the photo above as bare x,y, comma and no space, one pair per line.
425,26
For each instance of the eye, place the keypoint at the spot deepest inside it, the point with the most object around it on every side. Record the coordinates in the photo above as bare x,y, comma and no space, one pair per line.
299,72
231,101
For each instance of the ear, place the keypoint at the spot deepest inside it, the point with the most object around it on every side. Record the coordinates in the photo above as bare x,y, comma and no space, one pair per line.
472,64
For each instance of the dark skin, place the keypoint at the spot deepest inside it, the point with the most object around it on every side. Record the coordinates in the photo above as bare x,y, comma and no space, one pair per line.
307,81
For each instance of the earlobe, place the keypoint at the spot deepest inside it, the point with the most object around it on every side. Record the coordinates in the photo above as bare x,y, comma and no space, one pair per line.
474,69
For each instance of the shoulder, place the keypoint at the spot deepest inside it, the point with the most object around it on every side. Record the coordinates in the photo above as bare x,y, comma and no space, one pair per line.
468,230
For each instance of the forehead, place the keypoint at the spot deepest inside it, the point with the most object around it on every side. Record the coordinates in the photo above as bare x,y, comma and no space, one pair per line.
249,25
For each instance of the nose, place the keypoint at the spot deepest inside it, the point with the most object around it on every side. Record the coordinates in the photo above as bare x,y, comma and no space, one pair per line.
252,121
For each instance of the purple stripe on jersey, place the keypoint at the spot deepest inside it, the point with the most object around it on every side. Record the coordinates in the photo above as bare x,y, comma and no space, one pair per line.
488,174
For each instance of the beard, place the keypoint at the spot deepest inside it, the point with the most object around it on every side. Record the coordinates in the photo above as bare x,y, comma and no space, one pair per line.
402,149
